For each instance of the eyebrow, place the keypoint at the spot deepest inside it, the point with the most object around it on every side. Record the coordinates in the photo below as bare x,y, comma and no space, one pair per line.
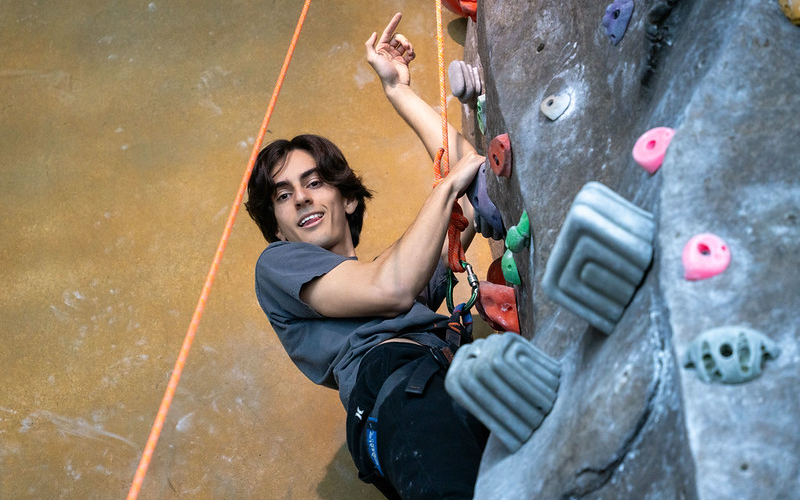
308,173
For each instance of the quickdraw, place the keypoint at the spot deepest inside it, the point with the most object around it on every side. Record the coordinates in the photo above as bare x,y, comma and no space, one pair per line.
473,281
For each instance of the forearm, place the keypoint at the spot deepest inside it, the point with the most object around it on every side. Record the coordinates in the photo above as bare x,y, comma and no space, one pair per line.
388,285
410,262
426,122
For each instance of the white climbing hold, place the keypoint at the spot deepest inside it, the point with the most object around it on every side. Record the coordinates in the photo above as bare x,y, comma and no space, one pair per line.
555,105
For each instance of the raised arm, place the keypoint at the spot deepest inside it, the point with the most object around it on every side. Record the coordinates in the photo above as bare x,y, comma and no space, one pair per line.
390,58
390,284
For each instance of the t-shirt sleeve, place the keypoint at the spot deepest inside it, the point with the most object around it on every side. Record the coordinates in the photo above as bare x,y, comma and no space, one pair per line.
281,272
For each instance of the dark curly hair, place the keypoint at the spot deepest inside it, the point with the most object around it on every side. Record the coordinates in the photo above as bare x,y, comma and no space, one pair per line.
333,170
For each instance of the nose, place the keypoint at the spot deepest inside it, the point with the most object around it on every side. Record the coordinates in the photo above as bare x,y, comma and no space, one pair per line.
301,197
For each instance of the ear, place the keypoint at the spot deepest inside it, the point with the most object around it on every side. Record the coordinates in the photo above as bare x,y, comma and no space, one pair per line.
279,235
350,205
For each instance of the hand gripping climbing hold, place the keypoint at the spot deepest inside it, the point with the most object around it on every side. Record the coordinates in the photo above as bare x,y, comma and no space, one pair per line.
519,236
616,19
487,217
500,155
730,354
554,105
704,256
510,272
497,305
600,256
507,383
651,147
792,10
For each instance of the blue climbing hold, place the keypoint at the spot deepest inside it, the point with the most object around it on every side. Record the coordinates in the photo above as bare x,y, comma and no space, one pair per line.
616,19
488,220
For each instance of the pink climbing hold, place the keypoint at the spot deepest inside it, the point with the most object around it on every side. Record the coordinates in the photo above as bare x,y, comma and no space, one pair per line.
704,256
500,155
497,305
651,147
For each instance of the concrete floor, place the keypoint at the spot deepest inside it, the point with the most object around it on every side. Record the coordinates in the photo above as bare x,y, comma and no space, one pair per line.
126,127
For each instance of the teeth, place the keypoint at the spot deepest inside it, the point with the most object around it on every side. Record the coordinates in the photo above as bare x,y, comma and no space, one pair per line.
310,217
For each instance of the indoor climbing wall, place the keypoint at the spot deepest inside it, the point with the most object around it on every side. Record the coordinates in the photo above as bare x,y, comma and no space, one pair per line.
652,148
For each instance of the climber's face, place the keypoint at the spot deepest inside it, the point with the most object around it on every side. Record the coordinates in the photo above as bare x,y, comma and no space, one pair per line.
309,210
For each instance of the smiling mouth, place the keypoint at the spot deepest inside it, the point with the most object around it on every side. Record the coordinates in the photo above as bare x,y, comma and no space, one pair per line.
310,219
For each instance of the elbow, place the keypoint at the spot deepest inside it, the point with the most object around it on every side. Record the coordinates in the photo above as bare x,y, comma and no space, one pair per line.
399,301
401,306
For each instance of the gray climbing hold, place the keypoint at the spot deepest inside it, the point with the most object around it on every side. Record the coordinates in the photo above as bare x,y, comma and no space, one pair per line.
730,354
507,383
600,256
616,19
469,80
465,81
476,77
554,106
488,219
456,76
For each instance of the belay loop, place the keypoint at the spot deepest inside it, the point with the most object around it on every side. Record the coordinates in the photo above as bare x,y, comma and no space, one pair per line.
459,328
473,281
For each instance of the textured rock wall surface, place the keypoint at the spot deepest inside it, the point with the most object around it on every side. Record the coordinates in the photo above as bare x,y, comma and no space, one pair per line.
630,420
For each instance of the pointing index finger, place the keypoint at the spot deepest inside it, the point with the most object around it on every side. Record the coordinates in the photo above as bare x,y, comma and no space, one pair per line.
387,33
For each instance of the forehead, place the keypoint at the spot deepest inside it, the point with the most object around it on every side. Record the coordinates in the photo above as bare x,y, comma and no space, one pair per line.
294,165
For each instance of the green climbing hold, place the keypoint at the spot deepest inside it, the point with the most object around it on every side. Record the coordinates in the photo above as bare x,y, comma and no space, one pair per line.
519,235
510,272
482,113
730,354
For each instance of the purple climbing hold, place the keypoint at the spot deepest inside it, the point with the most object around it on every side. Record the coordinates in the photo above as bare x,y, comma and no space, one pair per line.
616,20
486,211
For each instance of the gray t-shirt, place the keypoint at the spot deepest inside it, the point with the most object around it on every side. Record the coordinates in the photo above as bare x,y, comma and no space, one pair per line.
329,350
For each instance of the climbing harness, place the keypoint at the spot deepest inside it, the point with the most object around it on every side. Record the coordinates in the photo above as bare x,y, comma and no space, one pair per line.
161,416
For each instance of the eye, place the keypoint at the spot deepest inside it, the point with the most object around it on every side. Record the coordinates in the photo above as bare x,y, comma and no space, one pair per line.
314,183
282,196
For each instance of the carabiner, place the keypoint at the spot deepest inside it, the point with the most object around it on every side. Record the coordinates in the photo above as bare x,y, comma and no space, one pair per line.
473,281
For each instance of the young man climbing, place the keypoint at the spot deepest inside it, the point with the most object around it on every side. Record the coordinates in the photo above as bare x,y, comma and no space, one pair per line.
368,328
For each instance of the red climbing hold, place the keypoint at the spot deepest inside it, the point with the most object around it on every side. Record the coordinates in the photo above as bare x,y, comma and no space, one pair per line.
497,305
495,272
466,8
704,256
500,155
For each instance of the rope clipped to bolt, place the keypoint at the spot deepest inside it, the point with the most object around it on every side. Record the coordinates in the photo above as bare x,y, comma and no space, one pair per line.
161,416
456,258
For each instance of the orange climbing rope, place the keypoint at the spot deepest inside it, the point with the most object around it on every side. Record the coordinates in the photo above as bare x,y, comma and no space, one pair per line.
441,166
161,416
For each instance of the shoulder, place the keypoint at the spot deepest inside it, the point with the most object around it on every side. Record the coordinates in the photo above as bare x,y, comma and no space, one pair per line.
282,270
286,255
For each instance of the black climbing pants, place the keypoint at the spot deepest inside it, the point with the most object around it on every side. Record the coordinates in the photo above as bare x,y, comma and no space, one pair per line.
413,446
